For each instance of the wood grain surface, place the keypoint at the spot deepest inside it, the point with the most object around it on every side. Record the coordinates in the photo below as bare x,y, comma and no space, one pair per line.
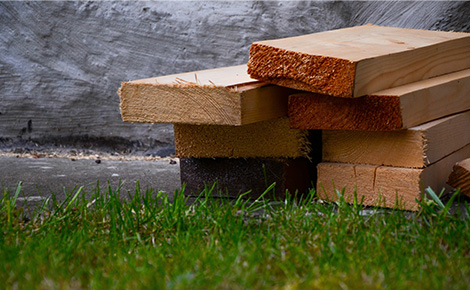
393,109
271,138
460,176
357,61
385,185
416,147
223,96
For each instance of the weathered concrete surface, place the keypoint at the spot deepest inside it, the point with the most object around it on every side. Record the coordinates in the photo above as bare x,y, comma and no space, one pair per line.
43,176
62,62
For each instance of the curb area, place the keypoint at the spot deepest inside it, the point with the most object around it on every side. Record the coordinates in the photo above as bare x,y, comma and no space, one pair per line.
42,174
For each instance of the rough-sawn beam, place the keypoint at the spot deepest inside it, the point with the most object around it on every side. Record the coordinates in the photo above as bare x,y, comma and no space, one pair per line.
416,147
223,96
272,138
357,61
385,185
393,109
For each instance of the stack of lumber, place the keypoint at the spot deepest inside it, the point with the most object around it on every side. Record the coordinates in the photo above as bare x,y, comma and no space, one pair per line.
230,129
392,106
392,103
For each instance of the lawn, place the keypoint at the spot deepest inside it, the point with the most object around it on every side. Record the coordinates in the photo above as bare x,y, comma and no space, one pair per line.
102,240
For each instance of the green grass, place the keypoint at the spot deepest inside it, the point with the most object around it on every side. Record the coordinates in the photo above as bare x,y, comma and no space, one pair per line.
100,241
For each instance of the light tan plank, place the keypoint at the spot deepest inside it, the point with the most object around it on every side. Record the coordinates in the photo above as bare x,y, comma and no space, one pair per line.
221,77
416,147
357,61
460,176
224,96
394,109
383,185
271,138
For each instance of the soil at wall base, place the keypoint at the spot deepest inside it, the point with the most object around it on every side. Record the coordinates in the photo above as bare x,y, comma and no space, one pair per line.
85,145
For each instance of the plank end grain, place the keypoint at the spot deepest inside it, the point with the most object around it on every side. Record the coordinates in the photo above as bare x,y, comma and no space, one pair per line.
271,138
179,103
397,108
417,147
369,113
402,148
300,71
222,96
357,61
386,185
374,185
460,177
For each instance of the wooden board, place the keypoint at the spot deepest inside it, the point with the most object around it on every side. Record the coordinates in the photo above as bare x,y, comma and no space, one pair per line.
237,176
416,147
383,185
357,61
271,138
223,96
393,109
460,176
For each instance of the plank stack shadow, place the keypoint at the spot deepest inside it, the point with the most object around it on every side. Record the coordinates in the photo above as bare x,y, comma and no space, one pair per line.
381,112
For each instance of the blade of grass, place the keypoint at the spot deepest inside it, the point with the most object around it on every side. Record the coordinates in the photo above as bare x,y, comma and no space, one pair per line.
8,213
18,190
41,209
445,211
74,198
252,208
58,208
434,197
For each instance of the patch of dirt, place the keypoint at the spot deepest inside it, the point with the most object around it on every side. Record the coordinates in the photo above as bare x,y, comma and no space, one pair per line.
85,147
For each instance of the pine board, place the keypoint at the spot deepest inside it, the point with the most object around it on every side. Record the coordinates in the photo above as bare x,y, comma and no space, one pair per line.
393,109
416,147
272,138
358,61
384,185
223,96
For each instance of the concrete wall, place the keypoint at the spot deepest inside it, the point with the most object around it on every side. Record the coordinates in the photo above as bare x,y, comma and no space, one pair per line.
61,63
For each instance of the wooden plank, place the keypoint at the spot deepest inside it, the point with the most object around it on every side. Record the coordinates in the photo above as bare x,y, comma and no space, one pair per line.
393,109
239,175
357,61
460,176
416,147
384,185
223,96
271,138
